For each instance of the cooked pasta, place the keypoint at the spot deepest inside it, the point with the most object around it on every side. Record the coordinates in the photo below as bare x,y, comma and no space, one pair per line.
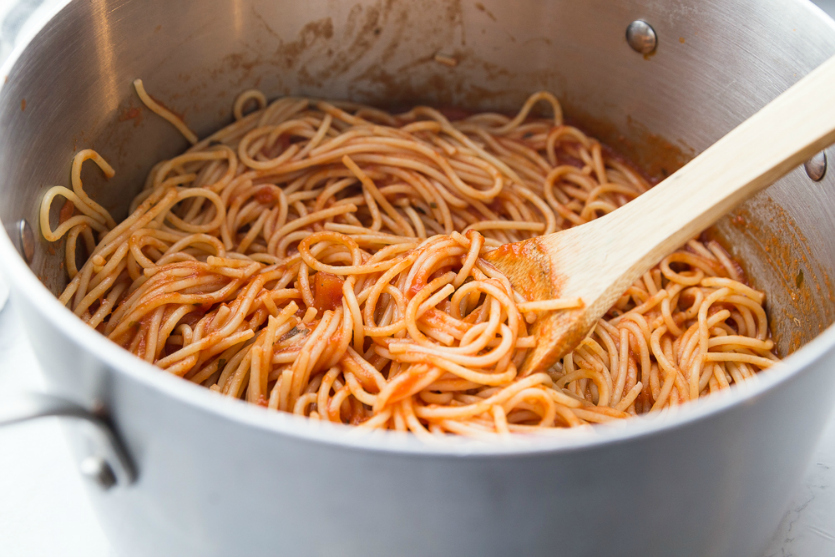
325,259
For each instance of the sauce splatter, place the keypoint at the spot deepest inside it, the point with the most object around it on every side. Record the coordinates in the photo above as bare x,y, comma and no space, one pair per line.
132,113
67,211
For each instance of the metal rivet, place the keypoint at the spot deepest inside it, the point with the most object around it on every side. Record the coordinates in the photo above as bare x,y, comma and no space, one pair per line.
26,240
641,37
96,469
816,167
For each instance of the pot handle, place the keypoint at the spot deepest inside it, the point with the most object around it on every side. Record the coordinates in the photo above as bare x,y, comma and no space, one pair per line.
108,463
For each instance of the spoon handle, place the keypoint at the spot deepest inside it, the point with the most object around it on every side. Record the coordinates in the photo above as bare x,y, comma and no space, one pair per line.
786,132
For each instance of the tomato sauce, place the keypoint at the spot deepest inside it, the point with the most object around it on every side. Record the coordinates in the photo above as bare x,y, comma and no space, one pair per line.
67,212
327,291
265,196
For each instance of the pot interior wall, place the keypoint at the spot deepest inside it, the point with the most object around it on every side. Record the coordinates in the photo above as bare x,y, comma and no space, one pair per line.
717,62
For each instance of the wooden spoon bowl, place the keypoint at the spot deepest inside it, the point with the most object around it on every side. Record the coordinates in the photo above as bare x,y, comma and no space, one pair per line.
596,262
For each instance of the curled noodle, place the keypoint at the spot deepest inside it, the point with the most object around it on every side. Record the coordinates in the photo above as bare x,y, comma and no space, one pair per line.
326,259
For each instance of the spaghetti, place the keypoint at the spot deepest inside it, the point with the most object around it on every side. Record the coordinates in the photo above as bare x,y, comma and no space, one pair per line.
325,259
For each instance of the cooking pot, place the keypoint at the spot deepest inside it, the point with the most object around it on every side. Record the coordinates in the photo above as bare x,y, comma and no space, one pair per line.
178,470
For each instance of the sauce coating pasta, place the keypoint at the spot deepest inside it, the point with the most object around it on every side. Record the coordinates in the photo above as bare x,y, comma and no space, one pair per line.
325,259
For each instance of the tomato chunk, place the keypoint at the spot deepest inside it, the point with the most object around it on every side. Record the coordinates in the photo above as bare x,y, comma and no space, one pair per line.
327,291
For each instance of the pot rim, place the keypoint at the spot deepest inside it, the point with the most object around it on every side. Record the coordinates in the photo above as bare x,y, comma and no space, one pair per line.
24,282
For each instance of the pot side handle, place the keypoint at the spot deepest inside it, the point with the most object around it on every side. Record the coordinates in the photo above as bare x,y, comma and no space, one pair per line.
107,464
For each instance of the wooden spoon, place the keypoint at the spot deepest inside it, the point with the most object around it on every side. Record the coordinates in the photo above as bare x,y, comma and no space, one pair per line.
599,260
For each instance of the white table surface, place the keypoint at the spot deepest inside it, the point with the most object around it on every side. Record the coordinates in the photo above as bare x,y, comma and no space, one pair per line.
44,510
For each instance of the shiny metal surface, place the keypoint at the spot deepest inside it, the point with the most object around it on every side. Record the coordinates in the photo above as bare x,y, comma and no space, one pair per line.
216,477
97,470
641,37
816,167
105,454
26,240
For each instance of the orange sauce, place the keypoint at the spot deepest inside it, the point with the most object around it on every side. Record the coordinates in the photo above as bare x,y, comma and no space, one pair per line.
327,291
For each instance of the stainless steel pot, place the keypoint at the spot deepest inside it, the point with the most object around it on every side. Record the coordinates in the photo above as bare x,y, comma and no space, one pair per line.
191,473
